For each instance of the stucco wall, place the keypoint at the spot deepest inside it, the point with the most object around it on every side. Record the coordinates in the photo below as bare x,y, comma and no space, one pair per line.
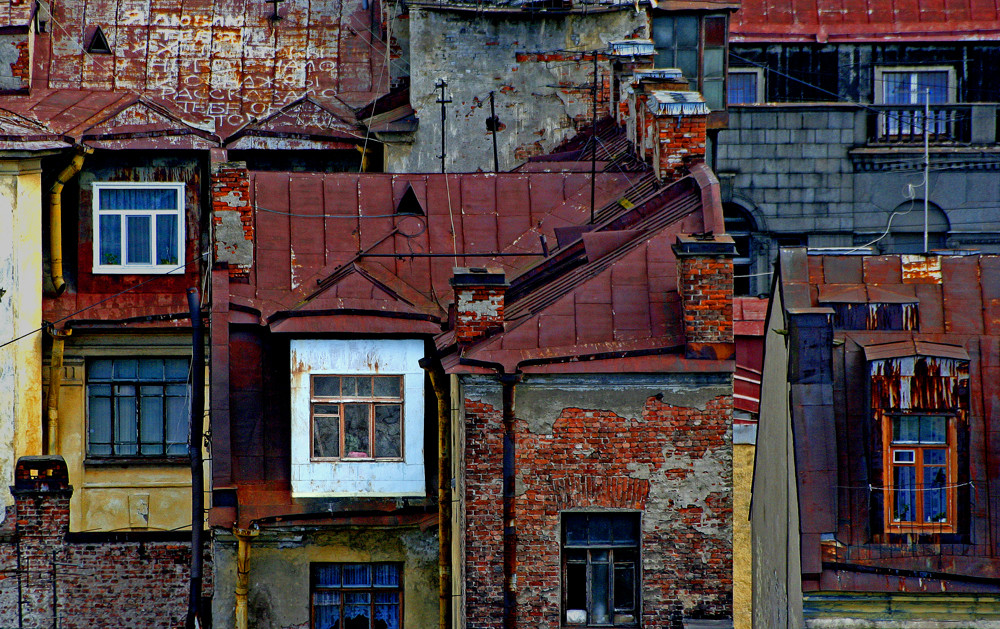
542,89
20,314
777,587
279,571
743,455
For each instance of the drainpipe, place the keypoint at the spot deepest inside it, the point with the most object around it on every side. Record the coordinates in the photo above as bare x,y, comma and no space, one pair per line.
55,217
439,383
243,537
55,384
509,525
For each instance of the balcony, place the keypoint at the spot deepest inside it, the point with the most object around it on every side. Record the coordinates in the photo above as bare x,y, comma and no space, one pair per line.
955,124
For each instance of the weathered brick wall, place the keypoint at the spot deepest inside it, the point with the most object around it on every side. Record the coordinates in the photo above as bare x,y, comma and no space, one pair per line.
668,457
478,310
87,583
681,141
706,288
232,217
15,61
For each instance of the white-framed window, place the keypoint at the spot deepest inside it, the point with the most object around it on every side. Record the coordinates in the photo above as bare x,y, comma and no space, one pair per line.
906,88
357,417
745,86
138,227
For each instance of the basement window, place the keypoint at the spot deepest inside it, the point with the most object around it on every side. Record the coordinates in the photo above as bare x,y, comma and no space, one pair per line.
138,228
357,595
600,569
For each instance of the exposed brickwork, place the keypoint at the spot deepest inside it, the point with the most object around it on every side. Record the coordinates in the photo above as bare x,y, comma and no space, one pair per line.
706,288
479,297
680,142
22,67
660,463
230,184
98,584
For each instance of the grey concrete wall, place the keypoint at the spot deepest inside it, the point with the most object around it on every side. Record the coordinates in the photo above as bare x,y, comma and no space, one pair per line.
774,521
538,98
805,170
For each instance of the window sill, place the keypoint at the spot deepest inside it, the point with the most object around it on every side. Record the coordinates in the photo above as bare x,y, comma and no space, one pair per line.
172,461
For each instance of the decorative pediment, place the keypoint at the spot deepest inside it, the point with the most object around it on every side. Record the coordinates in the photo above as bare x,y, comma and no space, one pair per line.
140,118
304,120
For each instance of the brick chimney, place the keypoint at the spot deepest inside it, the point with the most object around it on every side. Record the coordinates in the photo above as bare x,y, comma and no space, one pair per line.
679,125
705,284
41,497
627,56
232,215
639,121
479,294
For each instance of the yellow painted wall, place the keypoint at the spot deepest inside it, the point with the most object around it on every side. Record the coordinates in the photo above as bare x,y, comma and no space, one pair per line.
118,497
20,313
742,561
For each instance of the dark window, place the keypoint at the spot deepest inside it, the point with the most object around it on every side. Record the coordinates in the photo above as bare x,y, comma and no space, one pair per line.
745,87
137,407
357,596
874,316
740,226
357,417
921,456
601,569
697,46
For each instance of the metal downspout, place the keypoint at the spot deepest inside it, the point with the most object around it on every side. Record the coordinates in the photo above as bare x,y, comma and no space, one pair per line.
243,537
440,386
55,385
55,218
509,525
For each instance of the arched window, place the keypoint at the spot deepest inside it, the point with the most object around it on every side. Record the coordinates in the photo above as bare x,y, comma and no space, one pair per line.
907,232
740,226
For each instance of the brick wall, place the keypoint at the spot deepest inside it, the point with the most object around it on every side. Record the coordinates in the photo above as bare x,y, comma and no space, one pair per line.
706,288
668,461
232,217
680,142
88,581
15,60
479,302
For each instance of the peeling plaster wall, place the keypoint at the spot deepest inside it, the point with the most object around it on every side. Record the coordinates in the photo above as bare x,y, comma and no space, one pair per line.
657,444
20,313
279,571
542,99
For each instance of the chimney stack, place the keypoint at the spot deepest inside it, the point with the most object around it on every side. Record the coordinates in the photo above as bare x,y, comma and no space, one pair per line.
479,296
679,132
627,57
705,284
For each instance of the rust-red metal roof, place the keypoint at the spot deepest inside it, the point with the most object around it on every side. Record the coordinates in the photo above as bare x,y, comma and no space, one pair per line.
865,20
218,65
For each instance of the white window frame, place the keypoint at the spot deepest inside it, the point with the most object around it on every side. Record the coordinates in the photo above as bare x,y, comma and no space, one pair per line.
135,269
346,477
759,96
881,71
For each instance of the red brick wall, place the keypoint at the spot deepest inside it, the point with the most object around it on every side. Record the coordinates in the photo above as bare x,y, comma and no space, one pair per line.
98,583
22,67
479,310
706,288
681,141
596,459
230,184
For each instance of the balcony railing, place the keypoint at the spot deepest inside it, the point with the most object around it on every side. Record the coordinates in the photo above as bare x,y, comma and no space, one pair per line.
906,124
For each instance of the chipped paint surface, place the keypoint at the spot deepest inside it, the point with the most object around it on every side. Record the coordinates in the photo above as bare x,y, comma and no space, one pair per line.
919,383
919,269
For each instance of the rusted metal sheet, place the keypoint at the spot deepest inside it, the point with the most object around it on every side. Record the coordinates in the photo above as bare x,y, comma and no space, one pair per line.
864,20
962,295
842,270
910,347
842,293
919,382
919,269
881,269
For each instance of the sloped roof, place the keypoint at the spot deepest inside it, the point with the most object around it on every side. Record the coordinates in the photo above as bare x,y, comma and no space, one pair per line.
865,20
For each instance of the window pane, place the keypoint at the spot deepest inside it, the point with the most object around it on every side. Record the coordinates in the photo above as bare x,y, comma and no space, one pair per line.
686,29
138,246
326,386
151,412
896,88
715,31
687,61
742,90
624,587
326,435
356,430
350,386
177,420
327,605
712,90
357,610
933,429
126,369
126,428
663,34
138,199
714,63
111,239
364,387
625,530
935,457
386,611
387,386
99,369
328,576
576,592
387,432
904,484
935,498
600,612
600,529
576,529
100,420
357,575
906,429
386,575
151,369
176,369
166,239
936,83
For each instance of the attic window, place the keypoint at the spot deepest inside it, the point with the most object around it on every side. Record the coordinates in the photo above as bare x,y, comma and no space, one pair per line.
409,204
99,43
874,316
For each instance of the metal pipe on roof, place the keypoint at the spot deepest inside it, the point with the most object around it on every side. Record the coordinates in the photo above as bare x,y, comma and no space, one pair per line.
55,217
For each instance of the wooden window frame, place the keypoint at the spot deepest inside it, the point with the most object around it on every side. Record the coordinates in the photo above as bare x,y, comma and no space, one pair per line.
371,401
759,87
610,547
951,471
315,588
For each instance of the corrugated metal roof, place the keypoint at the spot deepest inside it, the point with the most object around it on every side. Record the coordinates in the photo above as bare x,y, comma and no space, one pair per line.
865,20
